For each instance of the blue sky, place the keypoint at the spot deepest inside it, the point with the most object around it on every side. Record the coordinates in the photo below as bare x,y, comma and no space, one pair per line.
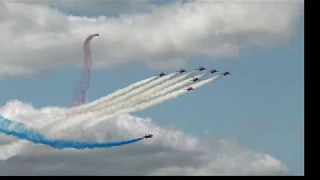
266,87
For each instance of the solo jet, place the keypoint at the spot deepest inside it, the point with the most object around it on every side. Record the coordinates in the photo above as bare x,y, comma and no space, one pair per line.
226,73
213,71
148,136
195,79
201,68
189,89
97,34
182,70
161,74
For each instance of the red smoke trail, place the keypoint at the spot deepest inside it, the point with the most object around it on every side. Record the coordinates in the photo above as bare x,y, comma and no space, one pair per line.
80,90
83,84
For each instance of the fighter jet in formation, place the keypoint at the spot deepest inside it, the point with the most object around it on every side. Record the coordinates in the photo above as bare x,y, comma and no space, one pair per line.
213,71
201,68
195,79
226,73
189,89
161,74
182,70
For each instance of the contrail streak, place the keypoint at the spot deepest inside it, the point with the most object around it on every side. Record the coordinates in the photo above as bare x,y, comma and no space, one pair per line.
139,90
118,105
174,87
86,107
153,102
53,124
26,133
83,84
142,96
98,117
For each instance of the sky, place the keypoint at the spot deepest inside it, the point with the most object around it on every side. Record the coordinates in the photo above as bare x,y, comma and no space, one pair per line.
260,107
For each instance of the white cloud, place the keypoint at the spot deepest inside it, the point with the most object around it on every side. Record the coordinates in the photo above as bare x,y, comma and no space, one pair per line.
36,38
112,7
170,152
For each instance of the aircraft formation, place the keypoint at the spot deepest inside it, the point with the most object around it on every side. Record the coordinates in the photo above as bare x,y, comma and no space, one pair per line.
194,79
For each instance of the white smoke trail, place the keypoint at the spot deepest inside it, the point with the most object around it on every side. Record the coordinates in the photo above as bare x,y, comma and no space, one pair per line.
154,102
68,113
98,117
147,94
174,87
136,91
110,96
62,122
16,147
141,86
118,105
142,96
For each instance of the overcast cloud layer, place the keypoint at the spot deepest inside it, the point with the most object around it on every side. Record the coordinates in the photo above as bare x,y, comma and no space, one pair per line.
36,38
170,152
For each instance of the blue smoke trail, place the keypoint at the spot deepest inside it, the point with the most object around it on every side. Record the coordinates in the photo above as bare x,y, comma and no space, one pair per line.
21,131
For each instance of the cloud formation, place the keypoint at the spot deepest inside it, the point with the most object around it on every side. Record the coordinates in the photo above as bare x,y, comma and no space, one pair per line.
35,37
170,152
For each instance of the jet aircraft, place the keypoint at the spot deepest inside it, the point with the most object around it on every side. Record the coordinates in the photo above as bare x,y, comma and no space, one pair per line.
189,89
182,70
195,79
148,136
213,71
226,73
201,68
161,74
